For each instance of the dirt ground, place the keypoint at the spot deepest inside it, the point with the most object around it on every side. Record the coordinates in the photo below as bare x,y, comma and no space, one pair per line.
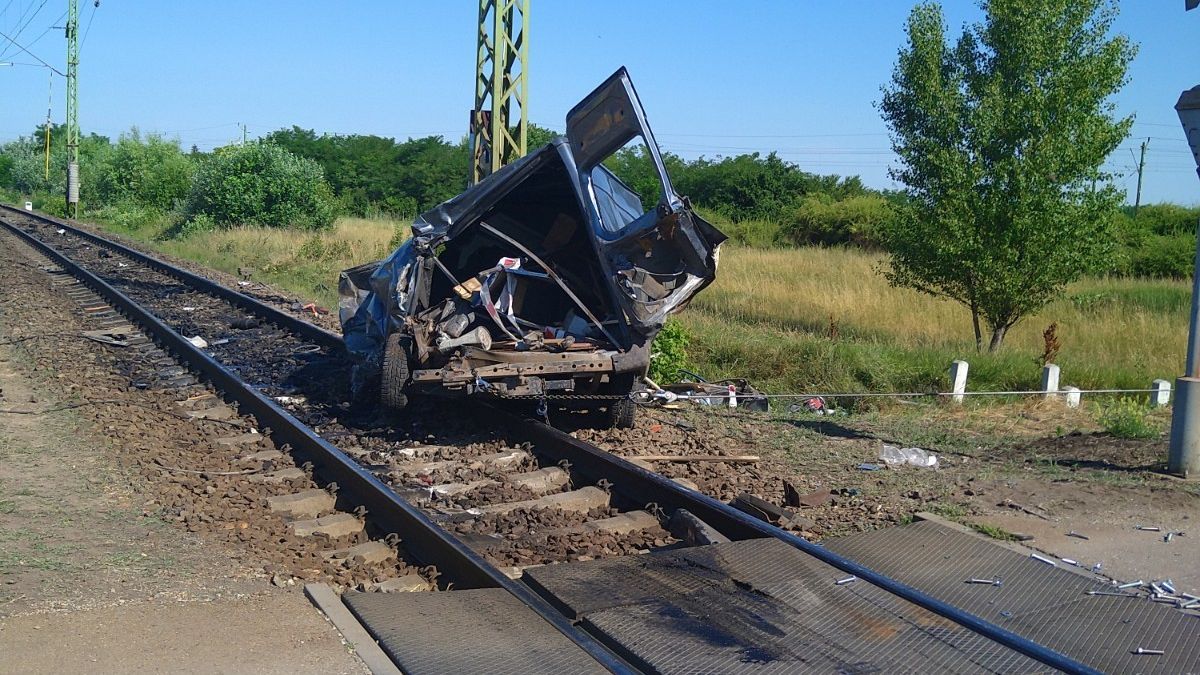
88,584
93,577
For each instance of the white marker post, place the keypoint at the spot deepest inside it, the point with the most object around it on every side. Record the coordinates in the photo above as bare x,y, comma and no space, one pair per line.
958,380
1073,396
1050,373
1161,396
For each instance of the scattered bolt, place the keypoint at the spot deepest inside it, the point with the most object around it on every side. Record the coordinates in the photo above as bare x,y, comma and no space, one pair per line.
1112,593
1158,590
1097,567
1169,585
1075,534
843,582
990,582
1071,562
1142,650
1148,528
1131,584
1190,605
1043,559
1189,596
1168,537
1006,614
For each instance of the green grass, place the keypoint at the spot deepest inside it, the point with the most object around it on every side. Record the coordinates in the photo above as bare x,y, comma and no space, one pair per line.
993,532
825,320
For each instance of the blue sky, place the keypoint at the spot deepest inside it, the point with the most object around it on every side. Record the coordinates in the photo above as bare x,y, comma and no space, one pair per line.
716,77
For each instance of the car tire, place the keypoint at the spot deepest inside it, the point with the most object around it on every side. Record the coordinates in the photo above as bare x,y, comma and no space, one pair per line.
395,373
622,414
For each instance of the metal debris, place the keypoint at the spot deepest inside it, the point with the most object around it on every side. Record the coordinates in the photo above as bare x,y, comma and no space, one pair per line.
1043,559
843,582
1113,594
1143,650
1077,535
1148,528
989,582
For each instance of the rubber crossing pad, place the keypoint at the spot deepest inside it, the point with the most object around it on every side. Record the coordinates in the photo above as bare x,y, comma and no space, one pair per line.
1046,604
469,631
760,606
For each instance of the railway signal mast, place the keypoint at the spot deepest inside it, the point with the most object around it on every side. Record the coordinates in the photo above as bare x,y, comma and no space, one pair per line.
72,108
499,120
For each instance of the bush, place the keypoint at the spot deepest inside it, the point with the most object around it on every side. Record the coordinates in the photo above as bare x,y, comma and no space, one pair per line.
261,184
1127,418
1170,255
196,225
668,352
153,173
821,219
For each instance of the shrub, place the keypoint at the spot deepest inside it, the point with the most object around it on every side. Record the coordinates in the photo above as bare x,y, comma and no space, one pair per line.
261,184
1171,255
668,352
1127,418
196,225
153,173
821,219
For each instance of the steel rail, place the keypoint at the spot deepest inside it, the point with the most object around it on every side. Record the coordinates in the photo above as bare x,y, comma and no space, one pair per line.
272,314
424,539
629,480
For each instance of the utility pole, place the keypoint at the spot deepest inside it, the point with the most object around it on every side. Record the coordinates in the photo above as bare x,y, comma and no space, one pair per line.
72,108
1141,168
499,121
243,133
1183,457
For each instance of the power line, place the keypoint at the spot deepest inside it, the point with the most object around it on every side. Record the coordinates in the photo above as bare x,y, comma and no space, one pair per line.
91,17
48,29
39,59
22,28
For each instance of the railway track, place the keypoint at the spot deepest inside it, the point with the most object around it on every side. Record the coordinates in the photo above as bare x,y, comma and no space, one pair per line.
468,496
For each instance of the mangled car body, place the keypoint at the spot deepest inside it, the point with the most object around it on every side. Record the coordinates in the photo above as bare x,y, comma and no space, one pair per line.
546,278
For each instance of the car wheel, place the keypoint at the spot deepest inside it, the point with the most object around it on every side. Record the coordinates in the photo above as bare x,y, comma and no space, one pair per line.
395,373
622,414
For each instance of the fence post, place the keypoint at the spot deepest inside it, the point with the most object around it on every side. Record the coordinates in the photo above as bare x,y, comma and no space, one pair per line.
1073,396
958,379
1050,380
1161,395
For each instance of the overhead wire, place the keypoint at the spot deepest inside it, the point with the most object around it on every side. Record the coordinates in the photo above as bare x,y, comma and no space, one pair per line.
22,27
39,59
91,17
48,29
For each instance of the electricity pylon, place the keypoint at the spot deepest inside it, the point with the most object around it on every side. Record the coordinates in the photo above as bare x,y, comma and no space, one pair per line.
499,121
72,109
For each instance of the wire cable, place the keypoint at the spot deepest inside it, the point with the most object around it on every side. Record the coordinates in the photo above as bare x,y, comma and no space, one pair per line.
91,17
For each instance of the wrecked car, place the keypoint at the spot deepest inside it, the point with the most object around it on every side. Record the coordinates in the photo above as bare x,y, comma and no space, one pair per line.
546,280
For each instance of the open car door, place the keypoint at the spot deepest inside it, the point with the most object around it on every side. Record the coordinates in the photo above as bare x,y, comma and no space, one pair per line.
658,259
